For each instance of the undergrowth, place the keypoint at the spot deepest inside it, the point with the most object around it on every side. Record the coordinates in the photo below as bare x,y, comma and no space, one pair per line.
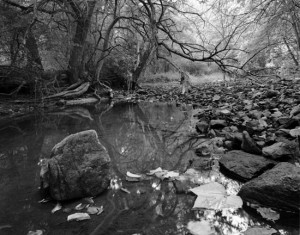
174,77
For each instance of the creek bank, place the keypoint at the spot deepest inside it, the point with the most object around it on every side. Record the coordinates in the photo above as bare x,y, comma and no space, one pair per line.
260,117
261,124
251,115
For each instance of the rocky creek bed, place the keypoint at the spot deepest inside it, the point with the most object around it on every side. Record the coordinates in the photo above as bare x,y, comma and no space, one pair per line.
243,136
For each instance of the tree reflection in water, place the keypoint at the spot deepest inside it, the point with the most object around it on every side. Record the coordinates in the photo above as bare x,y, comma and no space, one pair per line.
139,137
144,140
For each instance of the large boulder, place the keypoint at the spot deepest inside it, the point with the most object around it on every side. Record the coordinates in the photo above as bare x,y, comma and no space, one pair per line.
79,167
244,166
278,188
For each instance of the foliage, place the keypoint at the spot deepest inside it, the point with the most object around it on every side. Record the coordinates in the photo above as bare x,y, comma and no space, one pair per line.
130,36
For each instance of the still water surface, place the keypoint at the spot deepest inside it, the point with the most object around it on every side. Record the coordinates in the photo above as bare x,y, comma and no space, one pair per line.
139,137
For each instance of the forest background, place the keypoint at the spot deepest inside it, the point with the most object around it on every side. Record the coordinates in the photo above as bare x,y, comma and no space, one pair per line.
47,45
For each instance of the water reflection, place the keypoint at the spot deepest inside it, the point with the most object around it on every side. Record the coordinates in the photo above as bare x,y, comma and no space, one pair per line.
143,140
139,138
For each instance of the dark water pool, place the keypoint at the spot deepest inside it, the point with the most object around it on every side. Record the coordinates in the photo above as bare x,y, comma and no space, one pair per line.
139,137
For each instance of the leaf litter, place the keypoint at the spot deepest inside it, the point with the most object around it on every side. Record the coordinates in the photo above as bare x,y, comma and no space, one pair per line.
57,207
200,228
92,210
78,217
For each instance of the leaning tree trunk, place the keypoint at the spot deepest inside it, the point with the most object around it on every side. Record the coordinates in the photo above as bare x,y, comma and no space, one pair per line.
79,41
291,52
14,48
144,61
146,57
105,46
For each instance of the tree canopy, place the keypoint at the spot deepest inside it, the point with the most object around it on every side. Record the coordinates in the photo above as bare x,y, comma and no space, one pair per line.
87,37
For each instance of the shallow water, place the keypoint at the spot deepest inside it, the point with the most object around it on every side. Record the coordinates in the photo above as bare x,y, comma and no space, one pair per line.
139,137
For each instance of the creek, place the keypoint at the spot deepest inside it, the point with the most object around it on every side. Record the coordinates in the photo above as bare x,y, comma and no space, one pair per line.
139,137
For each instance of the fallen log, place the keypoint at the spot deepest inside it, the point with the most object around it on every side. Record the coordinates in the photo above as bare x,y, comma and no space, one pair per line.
71,93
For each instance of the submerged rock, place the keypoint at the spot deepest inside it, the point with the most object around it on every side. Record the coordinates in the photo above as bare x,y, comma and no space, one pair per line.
79,167
244,166
278,188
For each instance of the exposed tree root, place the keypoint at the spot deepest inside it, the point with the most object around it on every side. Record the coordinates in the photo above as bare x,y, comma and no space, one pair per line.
80,90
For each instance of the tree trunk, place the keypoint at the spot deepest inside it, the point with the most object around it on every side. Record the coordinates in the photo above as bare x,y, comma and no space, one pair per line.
33,56
105,46
144,61
79,40
145,58
14,48
296,27
291,53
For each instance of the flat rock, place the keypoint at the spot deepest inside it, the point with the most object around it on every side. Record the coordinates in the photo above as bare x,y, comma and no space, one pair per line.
244,166
279,151
79,167
278,188
218,123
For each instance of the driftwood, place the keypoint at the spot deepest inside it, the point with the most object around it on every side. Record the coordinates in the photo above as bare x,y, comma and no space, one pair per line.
71,93
83,101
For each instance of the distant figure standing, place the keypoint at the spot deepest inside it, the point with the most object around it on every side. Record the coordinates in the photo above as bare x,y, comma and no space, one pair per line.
185,82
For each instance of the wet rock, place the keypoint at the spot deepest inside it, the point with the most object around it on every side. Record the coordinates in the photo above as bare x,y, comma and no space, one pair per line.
278,188
295,132
79,167
271,93
183,186
253,126
202,127
229,144
244,166
218,124
290,124
235,140
249,145
279,151
283,133
295,111
277,114
203,151
255,114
